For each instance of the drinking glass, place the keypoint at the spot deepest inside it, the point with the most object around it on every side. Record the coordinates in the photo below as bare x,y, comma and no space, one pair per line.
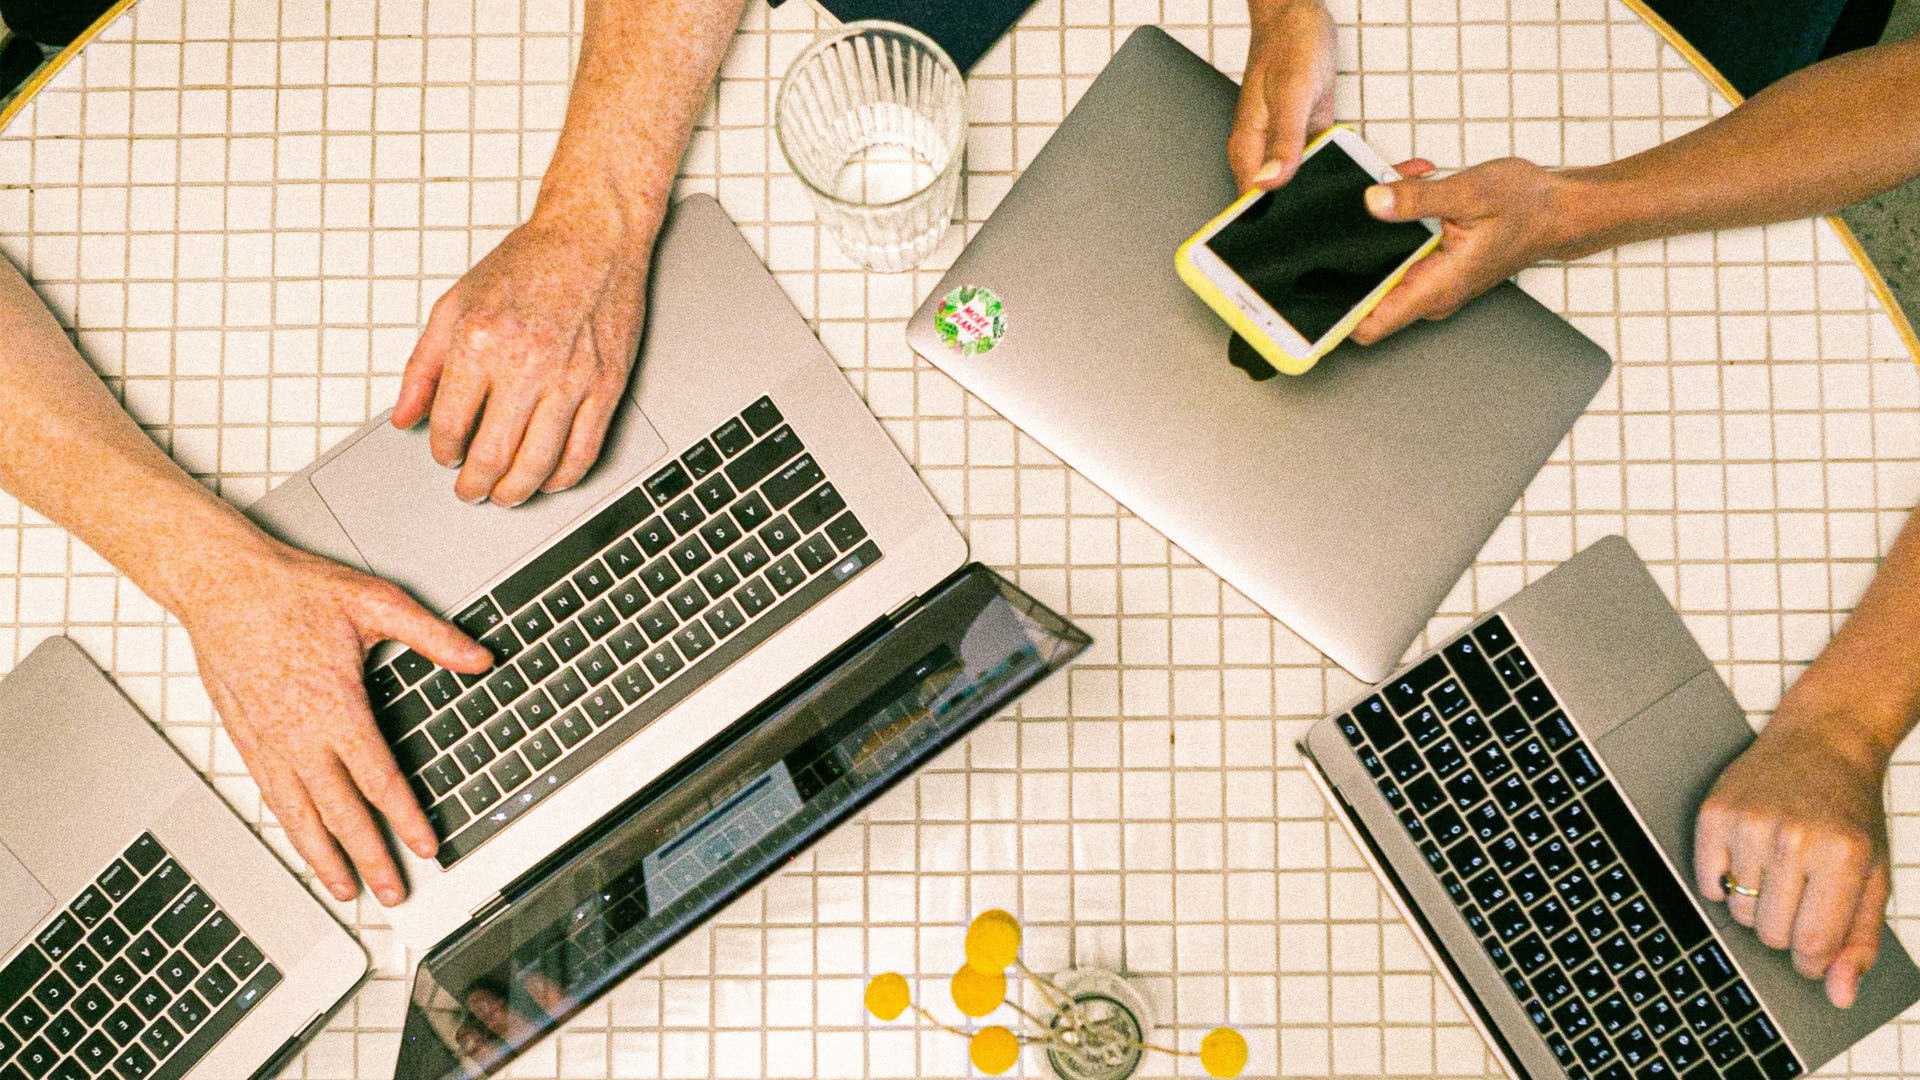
872,118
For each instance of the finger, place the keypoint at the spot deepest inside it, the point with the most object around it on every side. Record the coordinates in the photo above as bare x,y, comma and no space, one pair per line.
1247,143
345,815
389,614
540,450
1430,290
1836,884
589,430
1415,168
1712,854
1778,903
284,793
422,374
491,454
491,1009
477,1043
374,771
1862,946
546,993
1752,845
457,401
1455,198
1290,107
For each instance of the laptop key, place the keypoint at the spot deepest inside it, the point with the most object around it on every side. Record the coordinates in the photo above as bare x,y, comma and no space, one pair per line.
719,578
747,470
504,731
1711,964
1634,1045
479,618
443,776
688,599
791,482
1486,821
818,507
447,816
383,686
1701,1013
815,553
685,515
1381,729
60,936
1466,789
1758,1032
601,706
785,574
596,666
1636,981
510,772
479,794
689,555
1512,794
1593,982
1423,726
631,684
749,556
569,641
178,971
732,437
1507,853
441,689
654,537
753,597
724,618
90,906
628,598
1534,699
1405,763
1680,982
693,640
153,895
1580,767
1555,857
660,576
1572,1017
1408,691
1661,1017
1597,856
1470,732
91,1005
662,486
1508,921
151,998
1513,667
403,715
1613,1013
1557,731
572,727
599,620
474,753
714,494
628,643
779,535
160,1037
1491,762
566,688
1443,757
134,1063
183,916
54,992
541,750
1470,664
663,662
213,936
1493,635
1723,1046
214,986
476,708
658,621
761,415
1736,1001
1530,953
1510,725
1448,697
503,643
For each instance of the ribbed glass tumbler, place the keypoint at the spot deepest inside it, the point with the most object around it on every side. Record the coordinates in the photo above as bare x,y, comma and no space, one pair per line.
872,118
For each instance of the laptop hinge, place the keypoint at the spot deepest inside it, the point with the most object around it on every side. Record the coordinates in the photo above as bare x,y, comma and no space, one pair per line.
488,908
902,608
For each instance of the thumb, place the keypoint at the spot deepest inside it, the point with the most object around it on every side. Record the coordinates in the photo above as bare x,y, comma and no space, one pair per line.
390,614
1862,946
1451,199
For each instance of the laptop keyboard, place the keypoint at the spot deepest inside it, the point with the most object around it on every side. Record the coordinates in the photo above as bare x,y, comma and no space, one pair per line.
136,980
1595,935
617,622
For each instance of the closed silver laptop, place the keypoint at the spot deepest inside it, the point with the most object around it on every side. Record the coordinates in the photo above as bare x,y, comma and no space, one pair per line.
144,931
1527,793
747,517
1347,501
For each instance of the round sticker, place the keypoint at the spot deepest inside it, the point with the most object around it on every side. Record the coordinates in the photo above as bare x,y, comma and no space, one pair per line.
970,320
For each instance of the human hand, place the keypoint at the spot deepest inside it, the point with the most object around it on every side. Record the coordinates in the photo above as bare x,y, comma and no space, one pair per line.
524,360
1497,218
495,1028
1286,97
281,637
1798,816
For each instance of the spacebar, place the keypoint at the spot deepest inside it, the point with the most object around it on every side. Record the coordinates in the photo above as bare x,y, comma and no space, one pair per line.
219,1024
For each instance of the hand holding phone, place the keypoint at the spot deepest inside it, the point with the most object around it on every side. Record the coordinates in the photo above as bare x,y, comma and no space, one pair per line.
1294,270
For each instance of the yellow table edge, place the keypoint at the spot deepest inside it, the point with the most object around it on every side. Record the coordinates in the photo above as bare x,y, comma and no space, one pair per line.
1875,281
52,67
1901,324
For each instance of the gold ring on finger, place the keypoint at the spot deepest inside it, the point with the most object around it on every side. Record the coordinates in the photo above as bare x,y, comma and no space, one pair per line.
1732,886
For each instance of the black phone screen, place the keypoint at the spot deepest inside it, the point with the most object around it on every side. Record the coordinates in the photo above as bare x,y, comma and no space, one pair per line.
1310,249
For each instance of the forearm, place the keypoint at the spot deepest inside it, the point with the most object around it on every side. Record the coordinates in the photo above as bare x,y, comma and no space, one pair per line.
71,453
646,67
1865,685
1819,139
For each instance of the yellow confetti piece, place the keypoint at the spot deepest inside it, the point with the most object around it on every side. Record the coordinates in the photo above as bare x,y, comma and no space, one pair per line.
1223,1053
994,1050
993,941
977,992
887,996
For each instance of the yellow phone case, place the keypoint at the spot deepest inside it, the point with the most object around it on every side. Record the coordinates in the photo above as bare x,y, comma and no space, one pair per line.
1245,326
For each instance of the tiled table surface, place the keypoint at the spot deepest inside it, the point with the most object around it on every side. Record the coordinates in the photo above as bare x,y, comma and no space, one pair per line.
245,213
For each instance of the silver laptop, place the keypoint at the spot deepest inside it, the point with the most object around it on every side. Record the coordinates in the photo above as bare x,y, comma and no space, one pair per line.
146,933
747,517
1346,501
1527,792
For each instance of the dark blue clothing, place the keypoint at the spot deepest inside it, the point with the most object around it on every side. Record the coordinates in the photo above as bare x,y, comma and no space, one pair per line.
1756,42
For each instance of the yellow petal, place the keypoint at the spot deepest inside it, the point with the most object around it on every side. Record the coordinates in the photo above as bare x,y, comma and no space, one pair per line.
976,992
887,996
1223,1053
993,940
994,1050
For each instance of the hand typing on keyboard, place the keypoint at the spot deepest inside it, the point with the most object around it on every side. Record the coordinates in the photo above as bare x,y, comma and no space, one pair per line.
1798,817
281,638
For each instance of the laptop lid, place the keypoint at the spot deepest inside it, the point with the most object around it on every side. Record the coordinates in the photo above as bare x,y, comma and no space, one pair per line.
728,815
1346,501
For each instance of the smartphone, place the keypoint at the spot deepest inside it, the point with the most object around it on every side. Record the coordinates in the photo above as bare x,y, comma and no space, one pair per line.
1294,270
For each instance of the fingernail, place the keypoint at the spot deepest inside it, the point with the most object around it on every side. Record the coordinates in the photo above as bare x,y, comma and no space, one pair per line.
424,848
472,500
1380,200
1269,172
341,891
388,895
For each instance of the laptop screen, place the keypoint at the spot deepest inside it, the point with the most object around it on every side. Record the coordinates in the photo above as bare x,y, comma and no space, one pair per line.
725,817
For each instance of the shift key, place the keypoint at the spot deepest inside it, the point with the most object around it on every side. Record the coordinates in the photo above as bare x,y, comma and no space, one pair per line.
153,896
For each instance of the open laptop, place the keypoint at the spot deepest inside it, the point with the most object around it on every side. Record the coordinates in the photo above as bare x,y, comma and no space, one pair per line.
1346,501
145,932
1527,793
749,520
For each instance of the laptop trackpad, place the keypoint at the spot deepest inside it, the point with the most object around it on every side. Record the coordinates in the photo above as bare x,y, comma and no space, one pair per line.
399,509
23,903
